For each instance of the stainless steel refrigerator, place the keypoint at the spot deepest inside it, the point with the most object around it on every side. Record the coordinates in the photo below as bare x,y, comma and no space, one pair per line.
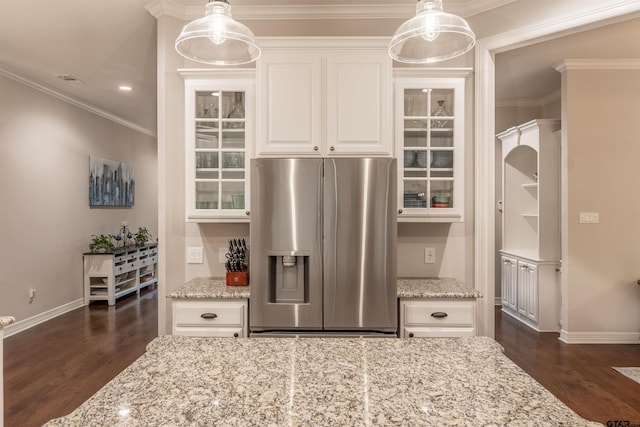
323,246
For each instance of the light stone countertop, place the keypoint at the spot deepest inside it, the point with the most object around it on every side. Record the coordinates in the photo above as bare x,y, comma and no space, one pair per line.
209,288
435,287
6,321
216,288
186,381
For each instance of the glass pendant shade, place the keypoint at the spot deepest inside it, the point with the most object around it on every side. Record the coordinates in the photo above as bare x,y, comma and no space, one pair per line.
431,36
217,38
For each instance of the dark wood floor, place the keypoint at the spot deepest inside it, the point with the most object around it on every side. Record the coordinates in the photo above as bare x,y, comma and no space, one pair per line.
578,374
52,368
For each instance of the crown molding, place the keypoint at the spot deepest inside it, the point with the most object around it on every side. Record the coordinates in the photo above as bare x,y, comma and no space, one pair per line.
88,107
557,26
220,73
269,12
598,64
530,103
321,43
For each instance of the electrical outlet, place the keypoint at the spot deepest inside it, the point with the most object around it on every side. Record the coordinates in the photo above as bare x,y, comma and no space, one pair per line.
589,217
195,255
222,255
429,255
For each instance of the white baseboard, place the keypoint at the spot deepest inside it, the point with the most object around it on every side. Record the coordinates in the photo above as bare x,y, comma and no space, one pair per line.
600,337
30,322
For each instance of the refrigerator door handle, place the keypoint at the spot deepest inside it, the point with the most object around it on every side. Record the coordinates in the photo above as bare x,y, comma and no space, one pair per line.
330,222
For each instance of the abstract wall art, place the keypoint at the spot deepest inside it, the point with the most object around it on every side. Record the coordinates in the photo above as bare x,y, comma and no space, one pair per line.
111,183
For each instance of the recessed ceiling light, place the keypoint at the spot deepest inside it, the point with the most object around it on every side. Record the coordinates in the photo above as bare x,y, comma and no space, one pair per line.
125,88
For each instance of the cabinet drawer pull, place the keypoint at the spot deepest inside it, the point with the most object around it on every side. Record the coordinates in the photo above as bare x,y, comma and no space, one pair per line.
410,334
439,314
235,335
208,315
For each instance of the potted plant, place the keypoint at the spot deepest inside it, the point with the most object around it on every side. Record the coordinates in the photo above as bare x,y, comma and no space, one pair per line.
142,236
101,243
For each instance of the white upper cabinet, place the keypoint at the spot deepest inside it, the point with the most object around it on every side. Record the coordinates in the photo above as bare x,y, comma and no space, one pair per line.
430,148
218,139
324,97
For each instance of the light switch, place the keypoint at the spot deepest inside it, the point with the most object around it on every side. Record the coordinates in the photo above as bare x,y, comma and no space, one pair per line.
195,255
429,255
589,217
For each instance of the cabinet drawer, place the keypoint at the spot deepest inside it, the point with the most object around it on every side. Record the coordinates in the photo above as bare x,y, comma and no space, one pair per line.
125,267
204,331
438,332
125,256
439,313
147,261
208,313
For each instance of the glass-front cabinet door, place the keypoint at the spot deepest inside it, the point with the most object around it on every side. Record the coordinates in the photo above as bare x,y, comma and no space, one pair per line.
218,129
429,140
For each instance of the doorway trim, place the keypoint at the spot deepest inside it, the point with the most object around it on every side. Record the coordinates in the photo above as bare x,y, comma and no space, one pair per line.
485,145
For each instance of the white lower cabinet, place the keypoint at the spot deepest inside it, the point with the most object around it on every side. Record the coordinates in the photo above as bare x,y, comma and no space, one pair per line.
437,318
531,292
210,318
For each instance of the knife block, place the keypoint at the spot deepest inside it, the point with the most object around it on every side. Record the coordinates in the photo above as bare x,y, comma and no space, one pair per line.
237,278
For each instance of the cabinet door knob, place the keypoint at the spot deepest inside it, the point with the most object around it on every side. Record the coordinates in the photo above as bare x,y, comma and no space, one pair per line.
410,334
332,148
400,211
247,213
439,314
315,148
235,335
208,315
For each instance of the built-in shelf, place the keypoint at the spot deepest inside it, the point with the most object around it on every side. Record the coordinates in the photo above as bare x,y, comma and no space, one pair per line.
530,251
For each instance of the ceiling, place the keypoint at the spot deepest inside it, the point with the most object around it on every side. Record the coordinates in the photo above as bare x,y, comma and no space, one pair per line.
105,44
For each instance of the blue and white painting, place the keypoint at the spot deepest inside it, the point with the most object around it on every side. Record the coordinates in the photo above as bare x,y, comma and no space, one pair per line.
111,183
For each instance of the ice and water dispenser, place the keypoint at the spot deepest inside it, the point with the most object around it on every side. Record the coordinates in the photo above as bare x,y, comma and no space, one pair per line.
288,277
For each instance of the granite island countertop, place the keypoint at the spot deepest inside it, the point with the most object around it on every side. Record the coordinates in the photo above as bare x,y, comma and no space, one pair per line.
191,381
216,288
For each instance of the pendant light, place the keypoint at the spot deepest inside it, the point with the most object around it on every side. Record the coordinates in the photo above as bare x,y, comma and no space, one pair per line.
217,38
431,36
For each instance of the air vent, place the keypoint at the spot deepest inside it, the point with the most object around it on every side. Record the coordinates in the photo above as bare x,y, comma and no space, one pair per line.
68,78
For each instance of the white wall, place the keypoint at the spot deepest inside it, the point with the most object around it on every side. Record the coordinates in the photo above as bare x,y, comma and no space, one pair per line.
601,262
45,220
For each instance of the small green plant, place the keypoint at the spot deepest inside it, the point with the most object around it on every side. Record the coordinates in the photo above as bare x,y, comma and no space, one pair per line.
101,243
142,236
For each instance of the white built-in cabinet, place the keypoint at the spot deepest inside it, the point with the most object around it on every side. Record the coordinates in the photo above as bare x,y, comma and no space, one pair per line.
219,133
324,97
530,253
429,124
210,318
437,318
